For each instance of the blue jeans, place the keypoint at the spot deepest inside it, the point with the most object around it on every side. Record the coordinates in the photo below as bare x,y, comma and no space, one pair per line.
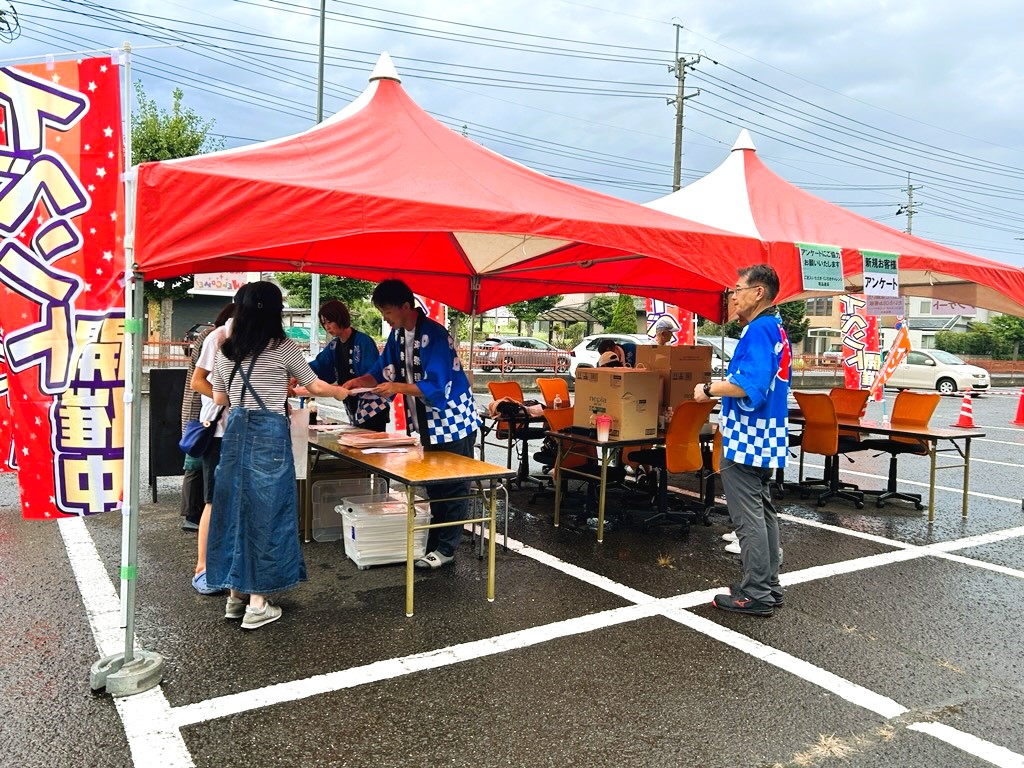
446,540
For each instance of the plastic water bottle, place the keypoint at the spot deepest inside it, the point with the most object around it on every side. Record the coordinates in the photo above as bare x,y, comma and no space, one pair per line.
557,402
668,416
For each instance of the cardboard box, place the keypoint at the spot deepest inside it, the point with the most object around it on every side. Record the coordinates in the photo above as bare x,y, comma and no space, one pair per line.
629,396
680,367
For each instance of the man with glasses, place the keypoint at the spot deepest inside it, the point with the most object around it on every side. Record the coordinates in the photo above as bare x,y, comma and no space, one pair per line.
754,426
349,354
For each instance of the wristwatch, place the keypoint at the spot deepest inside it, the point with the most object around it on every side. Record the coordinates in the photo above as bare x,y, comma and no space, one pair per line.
707,389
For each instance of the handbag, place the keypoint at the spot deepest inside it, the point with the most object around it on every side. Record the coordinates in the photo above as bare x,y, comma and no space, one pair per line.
197,435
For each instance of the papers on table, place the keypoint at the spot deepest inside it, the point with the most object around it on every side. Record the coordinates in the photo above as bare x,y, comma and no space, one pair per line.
399,449
360,390
366,439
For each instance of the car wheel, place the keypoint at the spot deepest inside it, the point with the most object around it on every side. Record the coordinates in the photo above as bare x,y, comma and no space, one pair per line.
946,386
540,370
562,366
508,364
187,349
487,368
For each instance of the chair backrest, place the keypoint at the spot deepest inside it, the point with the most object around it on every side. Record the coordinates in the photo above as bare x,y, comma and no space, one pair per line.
682,441
561,418
509,389
821,429
849,403
549,387
913,409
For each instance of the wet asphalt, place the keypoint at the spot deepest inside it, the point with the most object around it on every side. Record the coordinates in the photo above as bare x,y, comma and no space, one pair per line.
591,655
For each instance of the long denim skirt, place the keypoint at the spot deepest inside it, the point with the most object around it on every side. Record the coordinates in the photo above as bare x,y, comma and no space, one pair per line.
254,533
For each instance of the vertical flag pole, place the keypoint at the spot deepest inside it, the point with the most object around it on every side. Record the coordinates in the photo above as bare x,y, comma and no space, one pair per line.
134,670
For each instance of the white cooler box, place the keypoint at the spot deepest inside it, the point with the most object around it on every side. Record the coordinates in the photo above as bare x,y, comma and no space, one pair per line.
327,494
374,529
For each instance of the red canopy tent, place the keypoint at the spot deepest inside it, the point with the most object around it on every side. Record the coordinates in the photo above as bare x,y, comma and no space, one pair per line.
743,196
384,190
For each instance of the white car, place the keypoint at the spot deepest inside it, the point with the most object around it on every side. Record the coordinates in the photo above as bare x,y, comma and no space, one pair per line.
585,354
719,361
942,371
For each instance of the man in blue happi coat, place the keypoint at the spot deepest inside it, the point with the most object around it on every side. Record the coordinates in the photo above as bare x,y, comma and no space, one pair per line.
420,363
754,424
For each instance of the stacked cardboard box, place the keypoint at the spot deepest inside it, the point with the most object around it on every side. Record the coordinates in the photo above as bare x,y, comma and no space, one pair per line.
680,368
629,396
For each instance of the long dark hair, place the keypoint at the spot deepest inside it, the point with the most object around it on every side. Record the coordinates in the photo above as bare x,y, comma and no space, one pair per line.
257,324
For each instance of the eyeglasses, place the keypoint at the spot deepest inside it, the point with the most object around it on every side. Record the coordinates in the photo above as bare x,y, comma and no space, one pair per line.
743,288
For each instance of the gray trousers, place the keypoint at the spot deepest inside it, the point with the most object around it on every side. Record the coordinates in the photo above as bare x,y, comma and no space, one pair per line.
757,526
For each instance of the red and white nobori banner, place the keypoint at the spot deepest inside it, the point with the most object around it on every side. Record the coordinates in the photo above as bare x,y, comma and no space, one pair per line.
62,286
681,321
861,349
437,311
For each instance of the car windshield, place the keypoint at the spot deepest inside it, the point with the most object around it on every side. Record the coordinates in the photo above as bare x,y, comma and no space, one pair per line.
946,358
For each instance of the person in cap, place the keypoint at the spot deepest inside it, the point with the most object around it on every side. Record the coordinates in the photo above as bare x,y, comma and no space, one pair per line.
665,331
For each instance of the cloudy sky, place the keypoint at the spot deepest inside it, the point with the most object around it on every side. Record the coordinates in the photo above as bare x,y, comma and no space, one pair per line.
843,99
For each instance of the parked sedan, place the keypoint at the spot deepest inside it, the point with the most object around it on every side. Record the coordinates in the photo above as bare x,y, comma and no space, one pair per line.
935,369
585,354
510,353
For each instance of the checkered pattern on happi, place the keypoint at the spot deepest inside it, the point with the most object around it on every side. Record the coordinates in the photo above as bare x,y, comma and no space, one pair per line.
459,419
368,407
753,441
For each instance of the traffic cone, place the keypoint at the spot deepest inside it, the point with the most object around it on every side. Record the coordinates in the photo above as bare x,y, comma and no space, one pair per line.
1020,411
966,419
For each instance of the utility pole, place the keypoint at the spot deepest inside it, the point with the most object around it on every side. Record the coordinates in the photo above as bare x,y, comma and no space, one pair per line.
909,207
314,284
679,67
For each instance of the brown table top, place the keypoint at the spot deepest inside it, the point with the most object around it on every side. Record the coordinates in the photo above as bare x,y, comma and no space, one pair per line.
414,467
898,430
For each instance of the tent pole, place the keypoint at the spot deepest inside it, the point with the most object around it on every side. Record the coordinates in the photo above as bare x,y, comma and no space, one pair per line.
725,319
474,288
134,670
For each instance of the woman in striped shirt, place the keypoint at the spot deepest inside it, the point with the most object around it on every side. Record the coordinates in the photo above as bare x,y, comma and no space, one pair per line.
253,545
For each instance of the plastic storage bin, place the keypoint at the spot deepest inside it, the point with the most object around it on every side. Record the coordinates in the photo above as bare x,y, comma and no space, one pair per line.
374,529
327,494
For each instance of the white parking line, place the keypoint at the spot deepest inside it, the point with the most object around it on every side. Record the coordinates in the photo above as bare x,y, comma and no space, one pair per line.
152,737
972,745
958,491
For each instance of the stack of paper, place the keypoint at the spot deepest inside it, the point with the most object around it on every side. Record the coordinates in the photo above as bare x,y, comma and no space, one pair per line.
376,440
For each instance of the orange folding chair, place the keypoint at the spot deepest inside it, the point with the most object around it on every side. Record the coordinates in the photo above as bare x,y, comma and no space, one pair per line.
821,436
550,388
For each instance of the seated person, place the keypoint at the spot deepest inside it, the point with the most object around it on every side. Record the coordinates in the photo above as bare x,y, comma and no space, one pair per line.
612,355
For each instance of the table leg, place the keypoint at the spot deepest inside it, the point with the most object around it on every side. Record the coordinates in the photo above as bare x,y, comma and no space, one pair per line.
931,482
605,458
410,522
557,475
967,472
490,543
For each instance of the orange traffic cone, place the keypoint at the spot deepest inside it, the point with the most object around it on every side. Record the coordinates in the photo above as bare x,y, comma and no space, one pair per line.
966,419
1020,411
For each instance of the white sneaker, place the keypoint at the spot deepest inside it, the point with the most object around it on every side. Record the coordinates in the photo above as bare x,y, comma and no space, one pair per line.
730,536
733,548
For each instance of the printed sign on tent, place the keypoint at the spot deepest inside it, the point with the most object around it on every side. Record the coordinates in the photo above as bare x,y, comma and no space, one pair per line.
659,314
882,283
821,267
61,286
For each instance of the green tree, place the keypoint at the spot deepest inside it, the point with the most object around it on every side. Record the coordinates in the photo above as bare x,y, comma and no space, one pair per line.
794,320
1010,331
624,319
528,311
161,135
603,308
299,288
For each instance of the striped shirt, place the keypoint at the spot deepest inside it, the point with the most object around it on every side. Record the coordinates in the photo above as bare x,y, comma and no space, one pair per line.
274,366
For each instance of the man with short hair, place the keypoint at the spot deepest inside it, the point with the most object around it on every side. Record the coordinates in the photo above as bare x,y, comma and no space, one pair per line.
420,362
754,425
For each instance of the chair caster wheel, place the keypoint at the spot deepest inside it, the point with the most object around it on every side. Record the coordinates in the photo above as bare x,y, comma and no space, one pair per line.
879,503
821,503
706,519
919,507
859,504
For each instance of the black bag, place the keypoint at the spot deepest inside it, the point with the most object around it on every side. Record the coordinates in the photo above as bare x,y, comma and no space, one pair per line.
198,435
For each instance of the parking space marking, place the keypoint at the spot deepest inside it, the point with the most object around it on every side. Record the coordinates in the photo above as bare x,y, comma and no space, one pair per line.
152,737
958,491
972,745
281,693
153,727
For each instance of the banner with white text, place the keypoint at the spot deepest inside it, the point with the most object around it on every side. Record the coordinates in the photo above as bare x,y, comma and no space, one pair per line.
62,286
